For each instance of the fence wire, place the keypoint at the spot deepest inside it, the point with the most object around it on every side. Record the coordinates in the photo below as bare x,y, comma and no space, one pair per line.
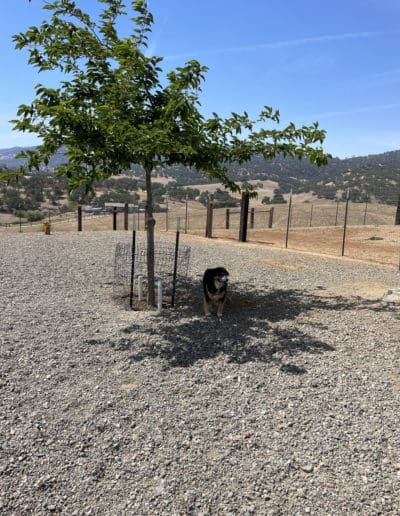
164,261
370,232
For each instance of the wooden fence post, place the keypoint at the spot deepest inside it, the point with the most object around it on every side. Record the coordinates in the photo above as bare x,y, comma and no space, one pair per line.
227,218
244,213
126,211
114,218
209,220
252,218
271,218
79,218
397,218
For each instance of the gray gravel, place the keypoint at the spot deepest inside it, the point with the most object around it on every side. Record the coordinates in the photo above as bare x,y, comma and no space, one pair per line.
289,405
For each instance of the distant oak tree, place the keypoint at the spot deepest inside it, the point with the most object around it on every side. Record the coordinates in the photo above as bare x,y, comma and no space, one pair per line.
115,107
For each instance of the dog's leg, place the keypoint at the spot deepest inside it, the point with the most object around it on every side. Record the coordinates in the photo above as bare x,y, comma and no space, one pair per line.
206,307
220,309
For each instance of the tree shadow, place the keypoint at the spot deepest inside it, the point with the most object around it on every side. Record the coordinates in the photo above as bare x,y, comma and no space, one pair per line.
249,331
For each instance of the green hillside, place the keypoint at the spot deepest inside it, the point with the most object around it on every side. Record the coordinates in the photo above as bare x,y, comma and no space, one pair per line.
373,177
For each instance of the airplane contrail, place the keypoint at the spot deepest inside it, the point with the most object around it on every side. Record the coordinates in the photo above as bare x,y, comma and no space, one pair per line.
355,111
279,44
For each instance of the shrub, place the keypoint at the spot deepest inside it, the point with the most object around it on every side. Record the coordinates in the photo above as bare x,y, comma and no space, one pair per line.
33,216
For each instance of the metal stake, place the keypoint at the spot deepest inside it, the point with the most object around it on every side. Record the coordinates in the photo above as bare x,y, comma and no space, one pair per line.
132,266
288,219
178,222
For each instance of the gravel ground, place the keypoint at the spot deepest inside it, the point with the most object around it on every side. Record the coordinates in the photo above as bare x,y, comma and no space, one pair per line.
288,405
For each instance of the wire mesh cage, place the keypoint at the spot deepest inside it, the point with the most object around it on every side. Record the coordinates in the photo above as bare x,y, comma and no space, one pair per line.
165,255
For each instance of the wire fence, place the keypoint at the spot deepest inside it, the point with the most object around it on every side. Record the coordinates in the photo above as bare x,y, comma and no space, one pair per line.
66,218
365,231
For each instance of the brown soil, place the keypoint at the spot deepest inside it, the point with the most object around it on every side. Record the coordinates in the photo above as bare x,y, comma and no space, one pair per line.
379,244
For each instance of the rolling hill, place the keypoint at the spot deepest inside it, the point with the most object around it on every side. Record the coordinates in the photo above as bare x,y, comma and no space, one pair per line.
374,177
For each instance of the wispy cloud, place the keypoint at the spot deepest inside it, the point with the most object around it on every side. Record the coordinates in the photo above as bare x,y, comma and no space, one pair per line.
372,80
387,73
355,111
388,140
278,44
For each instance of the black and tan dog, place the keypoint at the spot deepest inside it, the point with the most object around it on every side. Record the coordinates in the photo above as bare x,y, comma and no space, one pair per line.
215,282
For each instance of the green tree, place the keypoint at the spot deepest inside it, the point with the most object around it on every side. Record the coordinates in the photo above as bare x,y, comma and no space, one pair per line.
278,197
81,195
116,108
34,187
222,199
13,201
180,193
33,216
55,194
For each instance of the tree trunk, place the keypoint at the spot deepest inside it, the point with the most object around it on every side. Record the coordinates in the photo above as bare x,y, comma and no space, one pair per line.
397,218
151,299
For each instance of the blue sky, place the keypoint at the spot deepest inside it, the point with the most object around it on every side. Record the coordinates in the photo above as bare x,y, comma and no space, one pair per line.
335,62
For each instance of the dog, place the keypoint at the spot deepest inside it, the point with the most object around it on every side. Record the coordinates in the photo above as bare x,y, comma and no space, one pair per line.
215,282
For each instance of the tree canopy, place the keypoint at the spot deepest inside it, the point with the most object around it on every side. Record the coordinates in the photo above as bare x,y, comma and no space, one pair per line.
115,107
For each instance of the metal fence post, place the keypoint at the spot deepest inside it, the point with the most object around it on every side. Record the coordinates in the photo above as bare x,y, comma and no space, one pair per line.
178,224
132,266
337,211
365,212
288,219
186,214
345,220
166,213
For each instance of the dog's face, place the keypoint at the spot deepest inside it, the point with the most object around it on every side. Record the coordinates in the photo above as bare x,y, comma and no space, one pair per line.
220,277
215,285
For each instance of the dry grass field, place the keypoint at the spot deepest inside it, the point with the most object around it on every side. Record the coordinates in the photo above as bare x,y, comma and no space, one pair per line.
314,227
380,244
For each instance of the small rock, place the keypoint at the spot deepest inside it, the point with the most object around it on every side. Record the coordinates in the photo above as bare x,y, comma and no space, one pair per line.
392,296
